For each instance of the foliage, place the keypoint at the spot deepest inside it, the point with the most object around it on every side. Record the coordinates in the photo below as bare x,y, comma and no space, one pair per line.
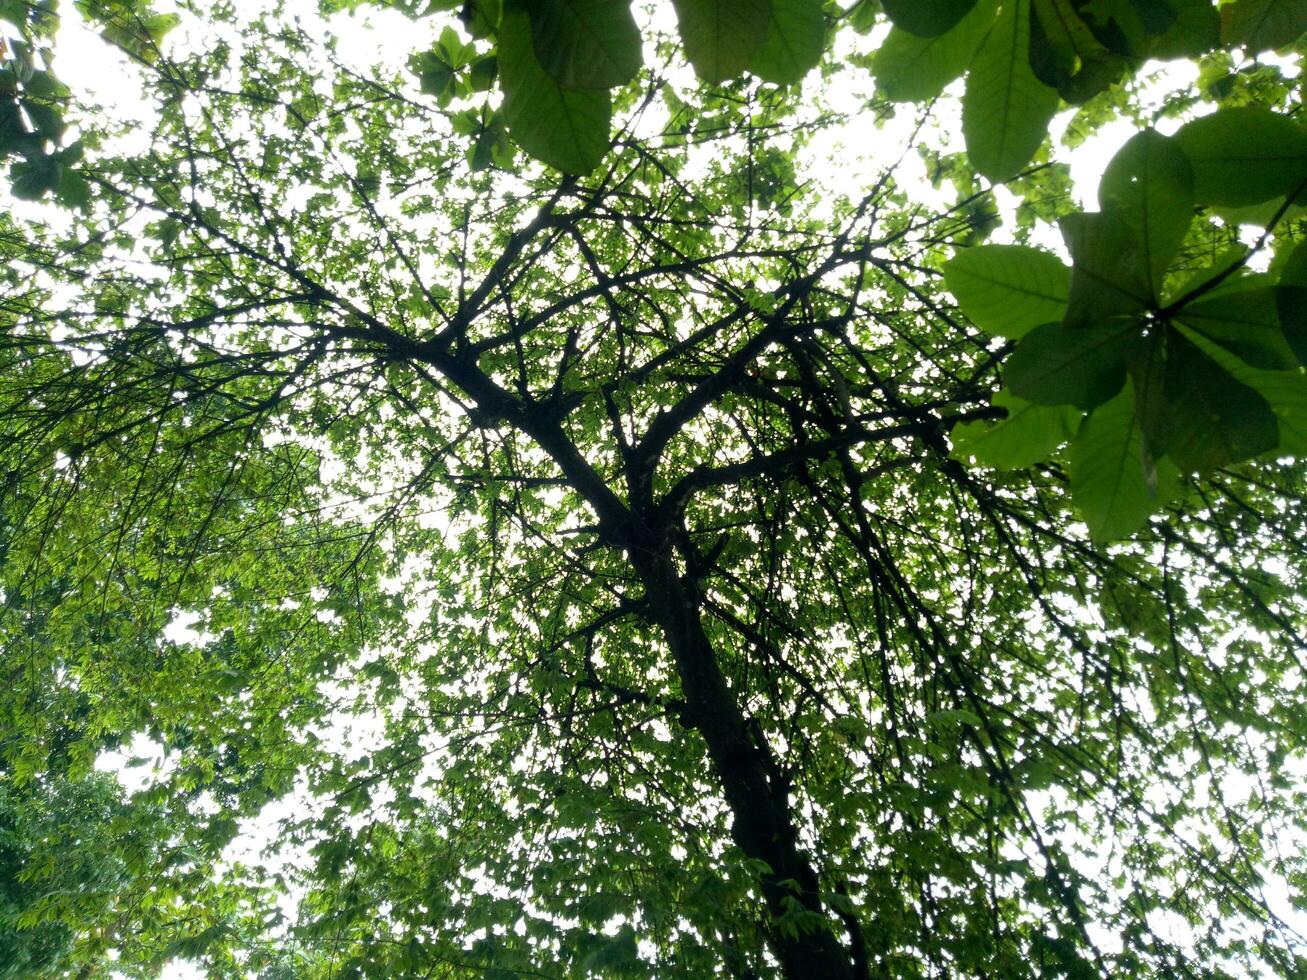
649,556
1212,358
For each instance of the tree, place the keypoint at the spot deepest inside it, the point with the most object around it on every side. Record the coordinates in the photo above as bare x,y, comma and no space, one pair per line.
686,565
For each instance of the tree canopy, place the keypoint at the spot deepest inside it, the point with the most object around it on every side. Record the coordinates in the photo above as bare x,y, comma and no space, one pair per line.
597,506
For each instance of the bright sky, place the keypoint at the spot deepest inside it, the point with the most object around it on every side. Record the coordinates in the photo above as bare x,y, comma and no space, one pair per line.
100,71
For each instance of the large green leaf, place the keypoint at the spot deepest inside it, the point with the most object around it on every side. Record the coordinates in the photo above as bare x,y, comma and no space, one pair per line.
1108,276
1028,434
1284,391
1293,267
796,35
1248,323
585,43
1113,485
926,18
722,37
1065,53
1263,24
1228,271
1194,411
1195,31
1244,155
911,68
565,129
1149,186
1008,290
1060,365
1291,305
1006,109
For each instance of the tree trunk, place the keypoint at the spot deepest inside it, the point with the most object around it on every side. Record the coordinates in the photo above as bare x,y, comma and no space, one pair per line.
755,789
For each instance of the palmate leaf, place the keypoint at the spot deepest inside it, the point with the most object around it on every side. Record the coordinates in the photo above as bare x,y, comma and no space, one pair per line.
1108,276
721,37
564,128
585,44
910,68
1114,487
1008,290
796,35
1244,155
1028,434
1149,186
1006,109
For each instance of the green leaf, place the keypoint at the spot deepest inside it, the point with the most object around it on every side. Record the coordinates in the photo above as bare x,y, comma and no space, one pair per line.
1248,323
1028,434
1291,305
32,178
721,37
1194,411
483,73
1109,275
47,120
1261,25
1060,365
1197,279
1195,31
1111,482
434,75
613,952
926,18
14,134
1065,53
481,17
1293,269
796,36
1284,391
910,68
136,32
1008,290
1244,155
566,129
586,44
1261,214
1006,109
1066,33
73,191
1149,185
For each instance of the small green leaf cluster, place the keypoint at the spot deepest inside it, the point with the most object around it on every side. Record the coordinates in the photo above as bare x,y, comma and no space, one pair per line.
130,25
32,124
1157,373
33,100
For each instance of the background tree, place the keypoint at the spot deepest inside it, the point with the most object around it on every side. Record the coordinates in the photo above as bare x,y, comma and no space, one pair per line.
593,558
